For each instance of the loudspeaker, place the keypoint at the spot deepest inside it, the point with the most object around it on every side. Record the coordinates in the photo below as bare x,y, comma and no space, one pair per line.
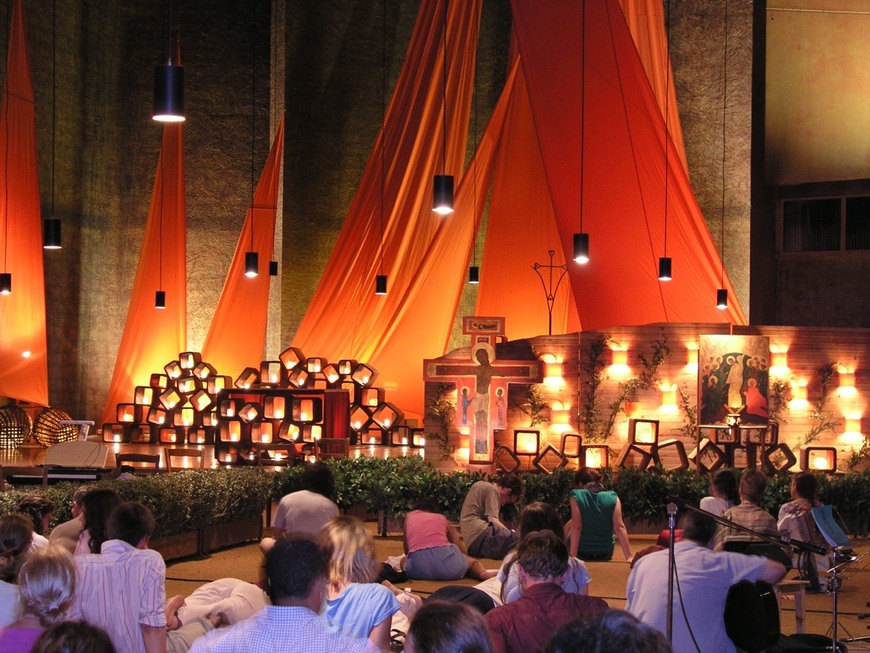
77,454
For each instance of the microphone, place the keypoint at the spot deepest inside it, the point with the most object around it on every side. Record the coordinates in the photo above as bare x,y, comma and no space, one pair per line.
672,509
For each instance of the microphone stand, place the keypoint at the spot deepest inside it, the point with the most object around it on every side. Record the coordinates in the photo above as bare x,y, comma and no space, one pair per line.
672,519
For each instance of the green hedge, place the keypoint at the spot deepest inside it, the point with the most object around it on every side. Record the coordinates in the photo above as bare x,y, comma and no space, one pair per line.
190,500
181,502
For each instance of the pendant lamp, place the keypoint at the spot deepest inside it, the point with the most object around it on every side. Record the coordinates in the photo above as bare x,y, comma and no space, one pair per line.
168,82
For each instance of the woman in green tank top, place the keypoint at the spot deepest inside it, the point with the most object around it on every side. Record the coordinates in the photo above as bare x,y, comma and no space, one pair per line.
596,516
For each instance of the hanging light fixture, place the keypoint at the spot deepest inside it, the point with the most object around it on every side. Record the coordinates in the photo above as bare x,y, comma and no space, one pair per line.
160,299
51,226
169,81
252,257
581,240
473,270
442,186
722,292
381,278
665,260
5,276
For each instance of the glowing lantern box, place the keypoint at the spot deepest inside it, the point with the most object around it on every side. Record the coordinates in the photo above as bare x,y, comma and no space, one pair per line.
315,365
307,409
275,407
387,416
291,358
170,398
363,375
159,381
128,413
184,416
143,434
228,407
271,373
262,432
711,457
215,384
203,370
157,416
116,432
170,436
247,378
250,412
346,366
144,395
643,431
201,401
527,442
189,359
173,370
188,385
596,455
331,374
819,459
298,377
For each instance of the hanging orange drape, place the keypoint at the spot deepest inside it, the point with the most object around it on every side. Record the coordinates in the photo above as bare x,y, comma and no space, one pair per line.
154,337
237,335
623,171
646,22
23,349
393,232
521,230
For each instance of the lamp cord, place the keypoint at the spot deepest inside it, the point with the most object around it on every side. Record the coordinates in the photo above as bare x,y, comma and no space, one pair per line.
53,96
444,94
582,111
253,107
383,124
667,111
6,152
724,108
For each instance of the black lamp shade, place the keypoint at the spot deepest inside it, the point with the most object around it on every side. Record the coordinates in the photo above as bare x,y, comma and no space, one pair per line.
160,299
581,248
51,233
273,268
665,268
442,194
381,284
473,274
168,93
252,264
722,298
5,283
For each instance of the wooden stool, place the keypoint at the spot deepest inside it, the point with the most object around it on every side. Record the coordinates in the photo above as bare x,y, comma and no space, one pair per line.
796,589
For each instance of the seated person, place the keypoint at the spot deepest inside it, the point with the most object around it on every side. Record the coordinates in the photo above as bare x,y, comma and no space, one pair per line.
747,513
528,623
611,631
355,605
596,516
47,589
540,516
121,589
431,546
308,509
442,626
16,538
483,532
705,578
39,510
296,575
67,533
795,522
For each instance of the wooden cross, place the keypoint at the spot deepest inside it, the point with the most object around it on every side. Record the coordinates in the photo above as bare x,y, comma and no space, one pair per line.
483,383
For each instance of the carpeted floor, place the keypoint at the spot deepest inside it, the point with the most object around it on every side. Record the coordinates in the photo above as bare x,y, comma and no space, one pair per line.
608,581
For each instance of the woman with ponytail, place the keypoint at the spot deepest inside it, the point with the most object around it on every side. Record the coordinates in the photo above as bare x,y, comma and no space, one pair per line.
46,585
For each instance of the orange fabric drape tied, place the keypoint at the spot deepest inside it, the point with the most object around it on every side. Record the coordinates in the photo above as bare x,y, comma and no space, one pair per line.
237,335
23,344
154,337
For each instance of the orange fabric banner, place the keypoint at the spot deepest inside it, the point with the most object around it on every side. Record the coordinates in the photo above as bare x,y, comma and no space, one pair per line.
153,337
237,335
393,233
622,170
520,232
646,22
23,348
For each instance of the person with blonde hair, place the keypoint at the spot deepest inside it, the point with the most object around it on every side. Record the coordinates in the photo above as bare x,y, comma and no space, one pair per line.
356,605
46,583
16,536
